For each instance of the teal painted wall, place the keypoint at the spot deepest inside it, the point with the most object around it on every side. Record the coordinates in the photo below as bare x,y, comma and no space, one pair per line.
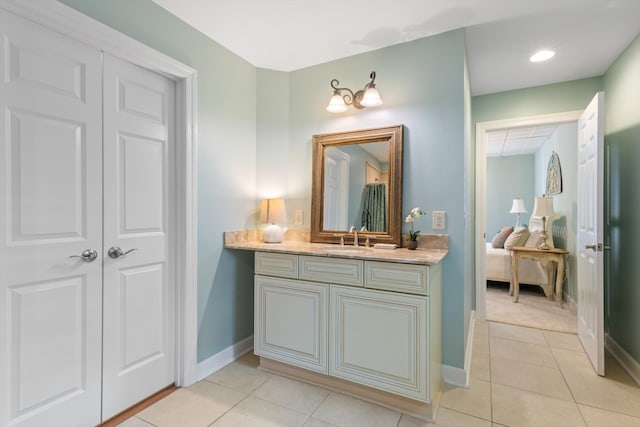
622,232
507,178
226,160
555,98
272,140
470,202
564,142
422,85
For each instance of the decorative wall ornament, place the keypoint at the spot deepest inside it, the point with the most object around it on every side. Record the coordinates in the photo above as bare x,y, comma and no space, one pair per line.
554,176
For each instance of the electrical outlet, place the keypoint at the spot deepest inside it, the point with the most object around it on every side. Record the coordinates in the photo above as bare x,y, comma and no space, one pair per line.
298,217
437,220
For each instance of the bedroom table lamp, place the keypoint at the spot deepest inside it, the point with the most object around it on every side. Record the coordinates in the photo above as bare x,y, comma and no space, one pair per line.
273,212
518,208
543,208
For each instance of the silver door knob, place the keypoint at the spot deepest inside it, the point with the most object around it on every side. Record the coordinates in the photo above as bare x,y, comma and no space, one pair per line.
87,255
115,252
593,247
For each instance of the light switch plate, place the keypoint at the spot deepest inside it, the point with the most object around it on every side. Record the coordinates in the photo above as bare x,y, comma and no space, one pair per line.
298,217
438,220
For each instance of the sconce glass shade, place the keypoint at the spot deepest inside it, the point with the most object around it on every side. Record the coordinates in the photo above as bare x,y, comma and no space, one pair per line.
336,104
371,97
273,211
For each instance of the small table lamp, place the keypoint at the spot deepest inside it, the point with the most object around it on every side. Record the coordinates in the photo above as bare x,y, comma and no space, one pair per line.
272,212
518,208
543,208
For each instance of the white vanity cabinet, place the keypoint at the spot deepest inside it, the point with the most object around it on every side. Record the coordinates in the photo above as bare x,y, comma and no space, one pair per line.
354,321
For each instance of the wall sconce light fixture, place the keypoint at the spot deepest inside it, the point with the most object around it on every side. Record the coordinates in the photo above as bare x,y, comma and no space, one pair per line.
342,96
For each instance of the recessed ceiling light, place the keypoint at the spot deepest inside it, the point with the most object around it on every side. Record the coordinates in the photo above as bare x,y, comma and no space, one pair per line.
542,55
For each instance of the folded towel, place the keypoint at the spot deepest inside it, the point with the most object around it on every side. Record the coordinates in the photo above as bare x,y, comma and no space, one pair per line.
385,246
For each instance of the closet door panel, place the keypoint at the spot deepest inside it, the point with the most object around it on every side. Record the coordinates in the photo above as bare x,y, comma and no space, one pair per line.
50,209
139,286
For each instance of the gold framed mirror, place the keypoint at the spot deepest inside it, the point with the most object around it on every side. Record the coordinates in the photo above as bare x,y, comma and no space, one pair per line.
357,183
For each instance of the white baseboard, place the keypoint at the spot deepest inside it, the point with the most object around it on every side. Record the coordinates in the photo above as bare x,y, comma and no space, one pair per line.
456,376
624,358
223,358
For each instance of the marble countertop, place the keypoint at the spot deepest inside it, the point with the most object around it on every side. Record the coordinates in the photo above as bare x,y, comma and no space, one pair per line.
418,256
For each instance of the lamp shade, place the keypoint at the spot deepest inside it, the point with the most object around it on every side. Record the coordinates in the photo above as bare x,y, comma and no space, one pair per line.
543,207
273,211
336,104
518,207
371,98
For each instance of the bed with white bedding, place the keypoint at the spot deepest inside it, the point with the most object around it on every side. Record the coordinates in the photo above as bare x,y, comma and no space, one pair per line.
498,266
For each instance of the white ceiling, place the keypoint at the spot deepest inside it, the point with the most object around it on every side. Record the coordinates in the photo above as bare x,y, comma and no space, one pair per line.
288,35
518,141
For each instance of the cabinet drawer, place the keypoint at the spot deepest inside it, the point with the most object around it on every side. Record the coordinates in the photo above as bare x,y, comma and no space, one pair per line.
331,270
271,264
407,278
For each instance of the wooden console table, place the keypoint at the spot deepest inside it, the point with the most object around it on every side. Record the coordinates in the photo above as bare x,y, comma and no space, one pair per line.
535,254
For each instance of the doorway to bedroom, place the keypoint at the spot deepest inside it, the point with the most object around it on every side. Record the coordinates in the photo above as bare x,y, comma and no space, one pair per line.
514,156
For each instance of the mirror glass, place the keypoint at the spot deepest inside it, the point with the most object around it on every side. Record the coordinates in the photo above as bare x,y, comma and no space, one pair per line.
357,183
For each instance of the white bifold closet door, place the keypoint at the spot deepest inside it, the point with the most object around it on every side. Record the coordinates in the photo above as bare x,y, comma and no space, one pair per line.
82,338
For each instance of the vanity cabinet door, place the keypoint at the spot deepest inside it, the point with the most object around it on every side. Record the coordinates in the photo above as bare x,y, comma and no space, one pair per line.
290,322
380,339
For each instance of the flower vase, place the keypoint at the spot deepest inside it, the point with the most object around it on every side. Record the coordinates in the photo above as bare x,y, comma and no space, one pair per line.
412,244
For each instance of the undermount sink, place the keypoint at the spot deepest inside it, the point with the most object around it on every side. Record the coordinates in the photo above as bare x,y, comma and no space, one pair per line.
345,249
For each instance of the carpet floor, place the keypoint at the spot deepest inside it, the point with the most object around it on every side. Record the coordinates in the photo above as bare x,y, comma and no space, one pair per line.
533,309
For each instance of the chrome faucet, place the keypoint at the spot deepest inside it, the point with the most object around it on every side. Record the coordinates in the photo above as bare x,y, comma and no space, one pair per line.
355,237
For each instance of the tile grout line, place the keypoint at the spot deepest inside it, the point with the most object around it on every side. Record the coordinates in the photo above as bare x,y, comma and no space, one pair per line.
323,400
490,375
227,411
566,383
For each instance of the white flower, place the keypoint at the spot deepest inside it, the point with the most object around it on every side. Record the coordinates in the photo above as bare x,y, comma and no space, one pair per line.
409,218
416,213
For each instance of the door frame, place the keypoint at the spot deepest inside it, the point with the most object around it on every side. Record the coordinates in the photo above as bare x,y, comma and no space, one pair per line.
482,129
68,21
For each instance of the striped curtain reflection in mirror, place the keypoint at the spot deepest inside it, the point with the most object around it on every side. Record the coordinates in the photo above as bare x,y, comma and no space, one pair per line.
374,215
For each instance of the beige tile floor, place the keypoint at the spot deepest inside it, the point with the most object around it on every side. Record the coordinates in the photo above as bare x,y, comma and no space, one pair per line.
519,377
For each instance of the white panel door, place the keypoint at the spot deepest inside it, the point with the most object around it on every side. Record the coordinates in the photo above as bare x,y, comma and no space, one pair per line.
336,190
590,233
50,209
380,339
139,286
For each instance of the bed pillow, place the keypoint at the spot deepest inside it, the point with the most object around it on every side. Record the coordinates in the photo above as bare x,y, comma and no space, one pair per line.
534,236
517,238
501,237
